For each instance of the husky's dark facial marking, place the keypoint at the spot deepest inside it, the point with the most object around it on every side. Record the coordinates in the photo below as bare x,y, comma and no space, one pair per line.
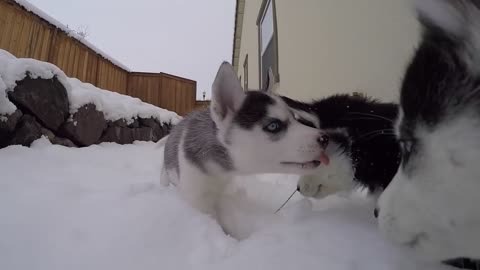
464,263
253,110
363,149
432,203
241,133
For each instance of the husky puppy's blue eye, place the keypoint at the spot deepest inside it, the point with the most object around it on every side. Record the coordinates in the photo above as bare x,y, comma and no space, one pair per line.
273,126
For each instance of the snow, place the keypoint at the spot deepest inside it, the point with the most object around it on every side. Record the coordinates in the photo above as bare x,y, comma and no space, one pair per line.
6,107
14,69
28,6
102,207
114,106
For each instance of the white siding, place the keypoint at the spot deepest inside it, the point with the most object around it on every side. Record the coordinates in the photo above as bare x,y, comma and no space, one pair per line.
335,46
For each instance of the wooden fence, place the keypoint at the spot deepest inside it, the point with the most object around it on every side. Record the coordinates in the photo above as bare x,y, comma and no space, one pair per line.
164,90
24,34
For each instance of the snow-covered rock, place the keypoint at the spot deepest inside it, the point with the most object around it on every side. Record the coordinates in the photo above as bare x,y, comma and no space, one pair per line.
27,131
86,125
83,111
9,122
44,98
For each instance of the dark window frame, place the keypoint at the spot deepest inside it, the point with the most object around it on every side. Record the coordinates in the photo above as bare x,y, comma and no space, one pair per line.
245,73
275,66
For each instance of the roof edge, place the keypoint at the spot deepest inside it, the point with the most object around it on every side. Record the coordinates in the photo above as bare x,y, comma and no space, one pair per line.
237,32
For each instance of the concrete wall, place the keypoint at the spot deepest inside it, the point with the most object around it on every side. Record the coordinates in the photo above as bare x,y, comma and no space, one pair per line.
335,46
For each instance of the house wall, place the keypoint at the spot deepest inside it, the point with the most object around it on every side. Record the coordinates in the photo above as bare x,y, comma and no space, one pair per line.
249,43
335,46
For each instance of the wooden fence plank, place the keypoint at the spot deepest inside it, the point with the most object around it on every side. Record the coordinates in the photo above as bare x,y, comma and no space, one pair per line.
8,30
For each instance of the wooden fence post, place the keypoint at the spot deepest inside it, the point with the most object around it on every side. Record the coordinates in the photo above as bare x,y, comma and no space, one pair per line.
98,70
51,49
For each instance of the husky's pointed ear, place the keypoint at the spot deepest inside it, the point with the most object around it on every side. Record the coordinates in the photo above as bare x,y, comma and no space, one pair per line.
270,81
227,93
458,20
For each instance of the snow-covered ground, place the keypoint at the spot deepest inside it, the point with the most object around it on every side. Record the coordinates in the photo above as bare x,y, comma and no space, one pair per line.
102,207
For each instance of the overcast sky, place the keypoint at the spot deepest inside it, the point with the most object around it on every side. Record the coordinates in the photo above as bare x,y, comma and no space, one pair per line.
188,38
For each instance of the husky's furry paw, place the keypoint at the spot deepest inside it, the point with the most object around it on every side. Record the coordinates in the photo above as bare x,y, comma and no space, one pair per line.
309,186
318,186
297,210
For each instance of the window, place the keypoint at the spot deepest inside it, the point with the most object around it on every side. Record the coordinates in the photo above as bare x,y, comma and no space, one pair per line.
267,39
245,73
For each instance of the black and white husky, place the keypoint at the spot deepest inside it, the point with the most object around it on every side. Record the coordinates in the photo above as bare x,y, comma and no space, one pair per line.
363,151
241,133
433,203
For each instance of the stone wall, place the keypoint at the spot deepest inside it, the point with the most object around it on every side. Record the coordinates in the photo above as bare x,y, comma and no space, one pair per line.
43,110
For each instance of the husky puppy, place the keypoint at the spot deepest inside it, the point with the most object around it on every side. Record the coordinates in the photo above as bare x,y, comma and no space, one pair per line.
363,151
241,133
433,204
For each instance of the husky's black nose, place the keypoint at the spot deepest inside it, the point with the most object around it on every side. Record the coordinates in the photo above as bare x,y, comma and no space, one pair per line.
375,212
323,141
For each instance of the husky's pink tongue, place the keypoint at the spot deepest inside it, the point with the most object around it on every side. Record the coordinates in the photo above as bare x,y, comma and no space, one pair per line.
324,159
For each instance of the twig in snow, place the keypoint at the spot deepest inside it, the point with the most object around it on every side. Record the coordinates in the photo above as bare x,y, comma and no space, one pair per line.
286,201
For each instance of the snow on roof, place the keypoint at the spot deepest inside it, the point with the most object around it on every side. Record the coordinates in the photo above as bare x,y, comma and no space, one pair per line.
113,105
28,6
